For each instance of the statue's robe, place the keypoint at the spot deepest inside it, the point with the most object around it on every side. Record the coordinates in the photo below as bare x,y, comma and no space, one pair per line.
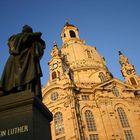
23,65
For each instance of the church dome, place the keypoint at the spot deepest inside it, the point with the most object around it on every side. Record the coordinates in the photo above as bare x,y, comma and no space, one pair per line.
83,60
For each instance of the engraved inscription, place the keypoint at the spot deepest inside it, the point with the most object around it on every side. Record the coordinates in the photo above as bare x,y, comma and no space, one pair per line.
14,131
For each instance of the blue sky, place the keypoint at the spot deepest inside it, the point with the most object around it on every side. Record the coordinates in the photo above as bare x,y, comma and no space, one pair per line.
110,25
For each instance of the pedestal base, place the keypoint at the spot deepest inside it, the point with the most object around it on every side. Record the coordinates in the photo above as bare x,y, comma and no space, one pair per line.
24,117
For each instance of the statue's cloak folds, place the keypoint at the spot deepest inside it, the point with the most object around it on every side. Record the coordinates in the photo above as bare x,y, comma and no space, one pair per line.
23,64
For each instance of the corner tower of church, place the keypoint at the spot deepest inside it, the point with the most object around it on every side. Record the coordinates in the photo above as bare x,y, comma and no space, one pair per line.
128,71
87,102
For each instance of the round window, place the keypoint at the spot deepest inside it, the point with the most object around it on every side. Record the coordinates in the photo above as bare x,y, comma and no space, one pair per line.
54,96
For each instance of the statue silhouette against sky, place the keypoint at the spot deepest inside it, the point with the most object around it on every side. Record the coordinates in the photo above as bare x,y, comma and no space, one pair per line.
22,71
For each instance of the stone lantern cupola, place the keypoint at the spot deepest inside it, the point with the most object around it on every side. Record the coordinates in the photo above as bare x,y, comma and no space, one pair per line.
70,34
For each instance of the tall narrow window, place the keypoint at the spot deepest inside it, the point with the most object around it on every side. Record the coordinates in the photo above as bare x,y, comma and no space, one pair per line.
88,54
53,75
72,33
90,121
115,91
58,122
133,81
125,124
102,76
64,35
123,117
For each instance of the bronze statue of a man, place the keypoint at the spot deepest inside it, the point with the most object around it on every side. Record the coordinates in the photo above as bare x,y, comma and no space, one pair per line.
22,70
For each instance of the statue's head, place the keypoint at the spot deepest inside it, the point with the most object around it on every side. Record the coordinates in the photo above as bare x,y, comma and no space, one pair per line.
27,29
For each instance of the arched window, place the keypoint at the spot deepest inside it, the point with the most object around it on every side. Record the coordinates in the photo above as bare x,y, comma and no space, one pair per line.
133,81
102,76
125,124
64,35
90,121
72,33
115,91
58,122
122,117
53,75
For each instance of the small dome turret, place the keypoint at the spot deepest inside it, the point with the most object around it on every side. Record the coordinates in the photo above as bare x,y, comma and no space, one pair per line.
69,33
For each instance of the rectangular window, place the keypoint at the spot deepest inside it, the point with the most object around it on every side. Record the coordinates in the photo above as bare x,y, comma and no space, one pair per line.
88,53
85,97
128,135
93,137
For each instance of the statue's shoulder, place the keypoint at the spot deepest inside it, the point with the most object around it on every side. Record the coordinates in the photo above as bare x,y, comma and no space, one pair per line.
13,41
15,36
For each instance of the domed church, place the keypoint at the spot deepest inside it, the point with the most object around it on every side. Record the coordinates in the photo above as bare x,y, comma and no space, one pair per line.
87,102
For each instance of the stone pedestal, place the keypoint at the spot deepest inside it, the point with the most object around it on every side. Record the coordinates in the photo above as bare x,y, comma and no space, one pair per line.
24,117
